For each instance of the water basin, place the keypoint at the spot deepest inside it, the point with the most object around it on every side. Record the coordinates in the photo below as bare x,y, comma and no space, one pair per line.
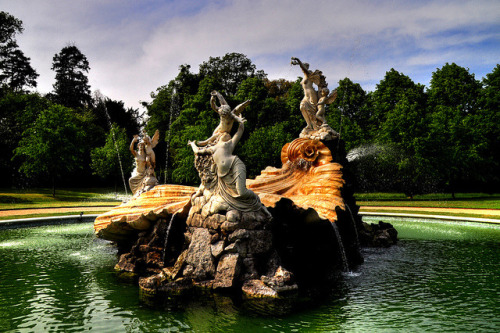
440,277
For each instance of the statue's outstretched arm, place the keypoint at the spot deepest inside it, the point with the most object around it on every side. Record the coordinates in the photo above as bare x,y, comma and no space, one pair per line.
239,133
296,61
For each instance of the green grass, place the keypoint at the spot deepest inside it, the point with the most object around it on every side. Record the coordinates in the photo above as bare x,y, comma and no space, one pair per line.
27,216
437,200
42,198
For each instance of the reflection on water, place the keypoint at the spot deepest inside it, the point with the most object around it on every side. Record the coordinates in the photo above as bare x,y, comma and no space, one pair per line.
440,277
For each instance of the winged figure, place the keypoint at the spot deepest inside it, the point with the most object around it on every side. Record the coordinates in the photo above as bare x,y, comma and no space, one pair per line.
227,117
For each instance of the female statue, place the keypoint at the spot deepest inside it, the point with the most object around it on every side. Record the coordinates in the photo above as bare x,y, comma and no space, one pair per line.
227,117
314,103
308,103
231,172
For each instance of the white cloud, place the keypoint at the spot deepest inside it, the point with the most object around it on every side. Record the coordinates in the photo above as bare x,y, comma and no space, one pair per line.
134,47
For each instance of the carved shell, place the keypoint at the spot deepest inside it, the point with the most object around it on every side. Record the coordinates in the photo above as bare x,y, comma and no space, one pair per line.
308,177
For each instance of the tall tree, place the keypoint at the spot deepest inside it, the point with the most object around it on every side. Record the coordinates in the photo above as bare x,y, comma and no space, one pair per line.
389,91
71,88
453,96
15,69
488,120
51,147
349,115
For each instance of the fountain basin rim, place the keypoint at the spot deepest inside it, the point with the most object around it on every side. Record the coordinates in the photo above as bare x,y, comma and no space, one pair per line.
47,220
433,217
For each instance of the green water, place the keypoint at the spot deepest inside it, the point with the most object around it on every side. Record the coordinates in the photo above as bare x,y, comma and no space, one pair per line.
440,278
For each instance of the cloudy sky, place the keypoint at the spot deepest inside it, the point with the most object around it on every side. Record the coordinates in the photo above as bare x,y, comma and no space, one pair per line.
135,46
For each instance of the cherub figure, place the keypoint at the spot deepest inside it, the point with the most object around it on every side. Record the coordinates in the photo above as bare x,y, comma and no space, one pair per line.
150,143
322,102
227,118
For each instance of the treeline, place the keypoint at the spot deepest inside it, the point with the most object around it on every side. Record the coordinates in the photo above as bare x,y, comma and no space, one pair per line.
401,137
67,137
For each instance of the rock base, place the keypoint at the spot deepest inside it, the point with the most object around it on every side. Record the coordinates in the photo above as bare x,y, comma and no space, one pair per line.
378,235
324,133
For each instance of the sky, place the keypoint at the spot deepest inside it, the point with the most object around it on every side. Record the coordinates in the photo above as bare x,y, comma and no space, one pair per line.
135,46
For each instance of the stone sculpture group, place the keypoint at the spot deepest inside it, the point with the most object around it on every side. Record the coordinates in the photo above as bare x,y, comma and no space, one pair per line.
290,227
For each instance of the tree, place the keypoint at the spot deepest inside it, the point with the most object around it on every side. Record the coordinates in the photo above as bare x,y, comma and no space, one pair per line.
18,112
230,71
487,120
9,27
15,69
257,156
71,88
106,159
349,115
51,147
389,91
453,97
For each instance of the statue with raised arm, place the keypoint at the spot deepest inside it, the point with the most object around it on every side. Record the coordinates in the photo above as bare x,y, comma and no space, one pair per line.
227,117
230,191
313,105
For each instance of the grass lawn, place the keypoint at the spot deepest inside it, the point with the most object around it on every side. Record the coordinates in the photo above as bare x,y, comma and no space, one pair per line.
104,197
437,200
42,198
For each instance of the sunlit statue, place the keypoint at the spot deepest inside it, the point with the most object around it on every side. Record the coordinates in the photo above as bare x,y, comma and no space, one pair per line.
230,191
223,174
227,117
143,177
314,103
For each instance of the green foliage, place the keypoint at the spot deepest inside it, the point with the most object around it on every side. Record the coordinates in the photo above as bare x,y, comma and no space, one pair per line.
257,156
456,142
105,159
15,69
348,113
51,147
230,70
71,88
17,113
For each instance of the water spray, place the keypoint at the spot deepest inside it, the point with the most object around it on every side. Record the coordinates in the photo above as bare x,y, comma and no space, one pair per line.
100,98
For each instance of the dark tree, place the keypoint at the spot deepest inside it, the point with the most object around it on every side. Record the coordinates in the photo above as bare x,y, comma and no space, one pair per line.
9,27
51,148
230,71
71,88
15,69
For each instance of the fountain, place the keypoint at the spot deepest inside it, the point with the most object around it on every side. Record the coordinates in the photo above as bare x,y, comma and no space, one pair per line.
282,232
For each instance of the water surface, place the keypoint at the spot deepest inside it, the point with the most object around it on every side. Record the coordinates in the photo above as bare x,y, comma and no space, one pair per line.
440,277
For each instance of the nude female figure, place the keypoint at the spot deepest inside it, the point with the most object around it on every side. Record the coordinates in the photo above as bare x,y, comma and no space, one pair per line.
308,103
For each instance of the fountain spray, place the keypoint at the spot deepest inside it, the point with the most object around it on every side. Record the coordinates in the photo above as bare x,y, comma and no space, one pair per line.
101,100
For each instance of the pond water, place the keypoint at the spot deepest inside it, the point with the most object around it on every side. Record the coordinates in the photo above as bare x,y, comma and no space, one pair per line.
440,277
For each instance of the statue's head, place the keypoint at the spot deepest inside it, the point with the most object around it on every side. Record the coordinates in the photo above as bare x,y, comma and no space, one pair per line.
224,110
325,91
225,137
141,145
